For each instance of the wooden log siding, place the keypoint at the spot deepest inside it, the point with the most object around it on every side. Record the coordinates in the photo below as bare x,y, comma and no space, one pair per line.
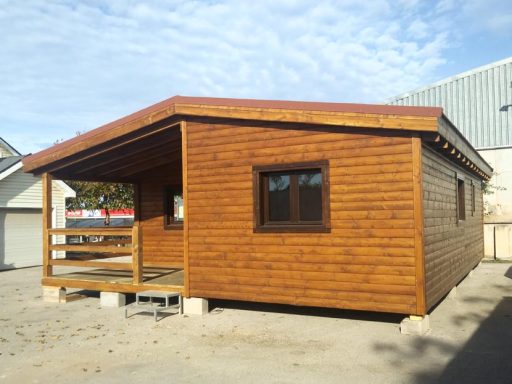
452,248
366,262
161,247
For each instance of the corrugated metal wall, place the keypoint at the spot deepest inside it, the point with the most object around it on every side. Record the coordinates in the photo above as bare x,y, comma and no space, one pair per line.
478,102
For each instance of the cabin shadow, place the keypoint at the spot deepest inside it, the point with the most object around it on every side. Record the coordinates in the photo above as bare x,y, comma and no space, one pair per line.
306,311
484,358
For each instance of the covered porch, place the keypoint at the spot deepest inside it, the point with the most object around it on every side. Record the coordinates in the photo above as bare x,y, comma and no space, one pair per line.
147,256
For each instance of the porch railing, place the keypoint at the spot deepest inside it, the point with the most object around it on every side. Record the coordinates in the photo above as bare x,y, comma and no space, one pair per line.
110,243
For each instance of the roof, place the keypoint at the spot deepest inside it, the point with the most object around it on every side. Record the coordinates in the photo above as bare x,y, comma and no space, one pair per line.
478,101
392,117
7,165
9,147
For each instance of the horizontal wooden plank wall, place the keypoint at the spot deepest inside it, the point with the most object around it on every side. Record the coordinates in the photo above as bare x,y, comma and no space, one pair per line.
452,248
366,262
161,247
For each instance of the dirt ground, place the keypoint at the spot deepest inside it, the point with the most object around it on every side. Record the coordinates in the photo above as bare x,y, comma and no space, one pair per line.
80,342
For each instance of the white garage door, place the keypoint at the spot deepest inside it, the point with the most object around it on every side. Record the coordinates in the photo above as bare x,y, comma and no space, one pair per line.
21,237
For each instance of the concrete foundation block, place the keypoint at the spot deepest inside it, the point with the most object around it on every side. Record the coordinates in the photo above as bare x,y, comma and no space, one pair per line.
54,294
471,273
415,325
112,299
195,306
453,293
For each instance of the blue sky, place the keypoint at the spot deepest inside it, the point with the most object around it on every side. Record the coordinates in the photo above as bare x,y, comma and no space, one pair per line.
68,66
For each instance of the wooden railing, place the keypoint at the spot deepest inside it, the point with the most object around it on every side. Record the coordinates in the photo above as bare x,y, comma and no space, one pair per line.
113,242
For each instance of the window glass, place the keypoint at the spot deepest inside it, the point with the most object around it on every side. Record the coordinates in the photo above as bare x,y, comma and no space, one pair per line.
278,197
178,207
310,196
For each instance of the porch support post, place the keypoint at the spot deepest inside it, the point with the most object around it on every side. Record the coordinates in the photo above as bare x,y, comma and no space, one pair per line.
47,224
184,161
137,255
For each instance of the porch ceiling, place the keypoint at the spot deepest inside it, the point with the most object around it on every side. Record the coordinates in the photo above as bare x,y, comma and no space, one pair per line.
123,159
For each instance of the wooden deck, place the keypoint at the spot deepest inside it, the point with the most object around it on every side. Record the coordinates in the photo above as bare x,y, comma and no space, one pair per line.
159,279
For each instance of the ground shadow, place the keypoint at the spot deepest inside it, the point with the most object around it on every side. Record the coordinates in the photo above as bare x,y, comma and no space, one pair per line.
485,358
307,311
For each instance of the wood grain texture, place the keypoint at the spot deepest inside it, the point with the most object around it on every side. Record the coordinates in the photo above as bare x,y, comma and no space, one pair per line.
452,248
161,247
366,262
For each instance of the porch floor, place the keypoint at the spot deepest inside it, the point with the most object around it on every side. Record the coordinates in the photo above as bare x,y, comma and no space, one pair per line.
154,278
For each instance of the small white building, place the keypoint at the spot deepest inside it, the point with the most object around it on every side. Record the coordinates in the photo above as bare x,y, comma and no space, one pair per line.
21,237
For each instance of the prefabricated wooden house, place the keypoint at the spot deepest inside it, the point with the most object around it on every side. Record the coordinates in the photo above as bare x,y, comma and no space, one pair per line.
365,207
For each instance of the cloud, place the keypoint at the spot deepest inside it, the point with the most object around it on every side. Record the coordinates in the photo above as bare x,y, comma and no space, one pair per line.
69,66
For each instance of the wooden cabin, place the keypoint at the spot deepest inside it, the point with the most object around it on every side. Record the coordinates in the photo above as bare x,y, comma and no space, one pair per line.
365,207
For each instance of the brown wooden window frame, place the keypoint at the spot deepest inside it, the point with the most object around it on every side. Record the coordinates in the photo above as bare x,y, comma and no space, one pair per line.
461,197
260,198
168,193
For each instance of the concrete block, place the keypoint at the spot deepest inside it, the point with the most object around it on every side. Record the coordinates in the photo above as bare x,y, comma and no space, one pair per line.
453,293
54,294
471,273
112,299
195,306
415,325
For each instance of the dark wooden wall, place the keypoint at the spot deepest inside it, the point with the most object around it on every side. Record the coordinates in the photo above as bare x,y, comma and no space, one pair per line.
367,261
160,246
452,248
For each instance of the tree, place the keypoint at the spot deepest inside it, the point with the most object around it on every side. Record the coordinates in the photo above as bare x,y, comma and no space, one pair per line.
95,195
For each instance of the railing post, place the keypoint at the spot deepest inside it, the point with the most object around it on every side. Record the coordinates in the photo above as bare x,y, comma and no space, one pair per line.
137,255
47,223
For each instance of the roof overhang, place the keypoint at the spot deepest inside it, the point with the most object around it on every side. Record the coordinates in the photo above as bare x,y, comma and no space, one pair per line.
13,168
424,120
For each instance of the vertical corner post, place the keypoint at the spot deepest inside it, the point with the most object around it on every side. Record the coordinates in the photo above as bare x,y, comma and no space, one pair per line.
47,224
419,252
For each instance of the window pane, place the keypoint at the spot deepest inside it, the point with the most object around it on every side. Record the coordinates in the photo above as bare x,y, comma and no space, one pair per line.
278,197
310,196
178,207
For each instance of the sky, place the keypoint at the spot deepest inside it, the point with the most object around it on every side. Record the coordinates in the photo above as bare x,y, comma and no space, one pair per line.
71,66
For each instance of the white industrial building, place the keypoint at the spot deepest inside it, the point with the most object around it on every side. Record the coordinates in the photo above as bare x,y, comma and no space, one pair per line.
21,220
479,103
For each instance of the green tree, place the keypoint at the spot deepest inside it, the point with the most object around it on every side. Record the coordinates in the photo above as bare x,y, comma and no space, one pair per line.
96,195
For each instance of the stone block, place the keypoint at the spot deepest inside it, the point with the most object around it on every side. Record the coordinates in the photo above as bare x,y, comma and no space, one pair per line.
112,299
415,325
195,306
54,294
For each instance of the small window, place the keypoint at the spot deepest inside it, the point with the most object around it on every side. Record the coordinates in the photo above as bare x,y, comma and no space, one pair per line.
473,199
461,200
291,197
173,208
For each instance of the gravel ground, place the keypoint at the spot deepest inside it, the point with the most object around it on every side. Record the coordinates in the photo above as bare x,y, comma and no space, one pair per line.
80,342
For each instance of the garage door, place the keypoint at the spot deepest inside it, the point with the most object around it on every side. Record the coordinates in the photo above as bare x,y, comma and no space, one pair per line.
20,238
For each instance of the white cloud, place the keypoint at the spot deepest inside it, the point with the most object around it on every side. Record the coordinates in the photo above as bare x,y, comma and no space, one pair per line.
70,66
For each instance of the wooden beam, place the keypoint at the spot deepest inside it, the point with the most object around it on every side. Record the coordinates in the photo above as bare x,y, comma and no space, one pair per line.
47,223
91,248
133,149
111,231
137,259
417,177
184,155
106,286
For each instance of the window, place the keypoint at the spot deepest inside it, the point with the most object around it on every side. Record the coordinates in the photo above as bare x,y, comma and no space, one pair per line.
291,197
173,207
461,200
473,199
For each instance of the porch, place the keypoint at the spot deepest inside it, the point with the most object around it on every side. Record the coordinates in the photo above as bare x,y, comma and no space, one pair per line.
112,263
146,256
